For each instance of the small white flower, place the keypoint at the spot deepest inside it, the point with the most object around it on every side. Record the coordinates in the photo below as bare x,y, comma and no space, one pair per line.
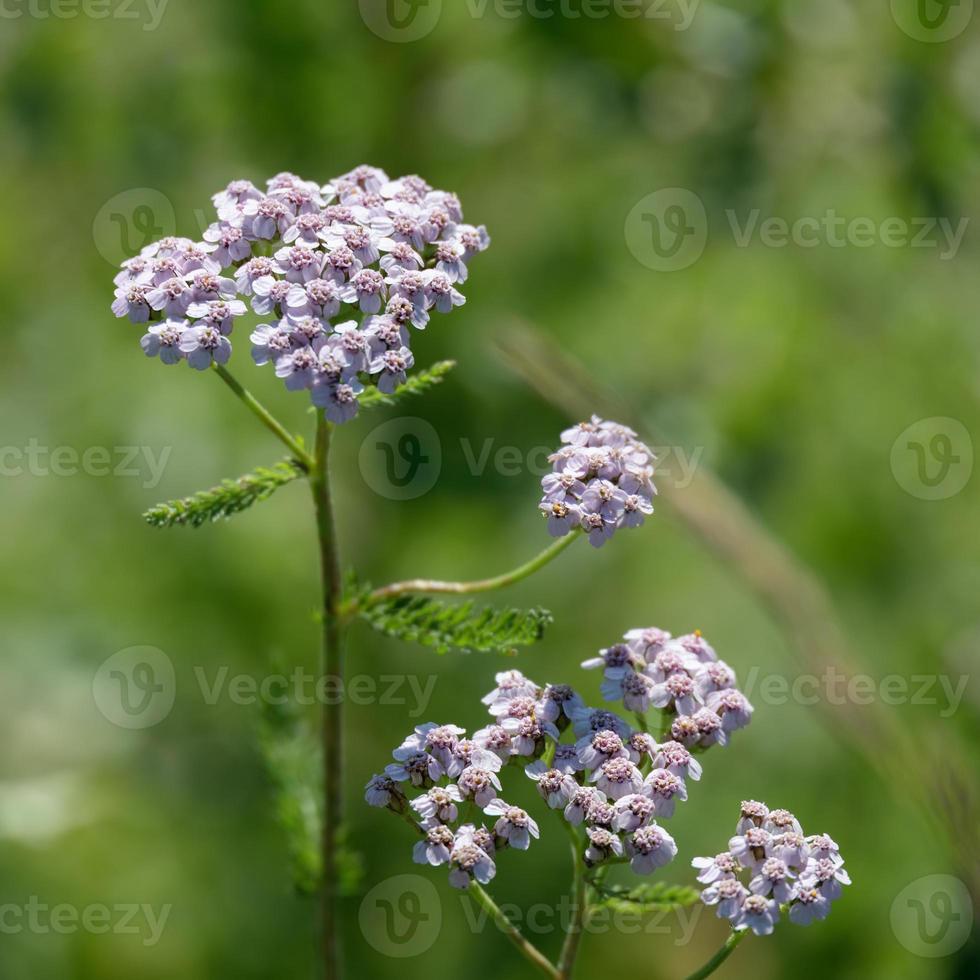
436,848
556,787
650,848
514,827
664,789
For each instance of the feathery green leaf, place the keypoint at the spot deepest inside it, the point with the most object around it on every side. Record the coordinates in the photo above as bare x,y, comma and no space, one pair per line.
659,896
416,384
230,497
418,619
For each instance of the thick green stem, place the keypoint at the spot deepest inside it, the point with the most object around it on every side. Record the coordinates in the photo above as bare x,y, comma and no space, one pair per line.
480,585
528,950
332,720
733,940
267,418
569,950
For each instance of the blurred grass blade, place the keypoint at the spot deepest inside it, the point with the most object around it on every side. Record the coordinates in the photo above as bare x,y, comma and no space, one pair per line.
230,497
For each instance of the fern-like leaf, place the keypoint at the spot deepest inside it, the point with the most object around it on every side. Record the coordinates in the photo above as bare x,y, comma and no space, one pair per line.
416,384
659,896
230,497
417,619
293,761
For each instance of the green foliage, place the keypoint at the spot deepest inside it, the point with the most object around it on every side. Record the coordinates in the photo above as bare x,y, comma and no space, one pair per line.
230,497
658,896
418,619
416,384
292,759
292,756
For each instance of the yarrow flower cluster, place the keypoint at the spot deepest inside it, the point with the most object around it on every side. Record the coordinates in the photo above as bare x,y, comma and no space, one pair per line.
787,870
602,480
309,259
682,676
614,781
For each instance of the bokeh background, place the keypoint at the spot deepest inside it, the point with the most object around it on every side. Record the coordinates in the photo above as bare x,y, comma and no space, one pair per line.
790,373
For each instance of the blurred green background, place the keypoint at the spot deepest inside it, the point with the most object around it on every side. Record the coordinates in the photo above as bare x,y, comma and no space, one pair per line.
791,372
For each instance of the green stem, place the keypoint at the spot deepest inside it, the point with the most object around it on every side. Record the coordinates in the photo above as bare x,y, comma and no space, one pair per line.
332,720
569,950
407,817
480,585
528,950
267,418
733,940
